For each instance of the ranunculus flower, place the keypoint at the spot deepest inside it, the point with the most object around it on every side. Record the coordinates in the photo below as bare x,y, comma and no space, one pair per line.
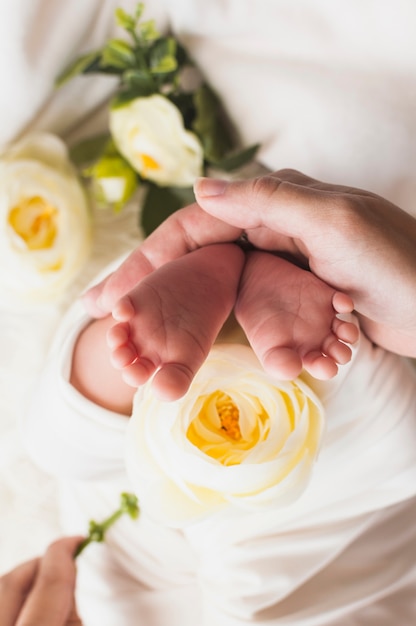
237,438
45,232
150,134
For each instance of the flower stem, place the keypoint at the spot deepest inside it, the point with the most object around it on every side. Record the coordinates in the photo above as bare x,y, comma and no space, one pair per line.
97,531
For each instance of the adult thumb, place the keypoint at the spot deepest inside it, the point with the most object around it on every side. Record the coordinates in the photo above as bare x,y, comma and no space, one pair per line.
276,201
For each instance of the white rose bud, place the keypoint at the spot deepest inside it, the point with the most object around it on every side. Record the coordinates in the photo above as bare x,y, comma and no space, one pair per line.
45,235
150,134
238,438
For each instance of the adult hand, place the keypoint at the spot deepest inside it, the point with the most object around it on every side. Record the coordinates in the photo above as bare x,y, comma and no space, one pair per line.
184,231
354,240
40,592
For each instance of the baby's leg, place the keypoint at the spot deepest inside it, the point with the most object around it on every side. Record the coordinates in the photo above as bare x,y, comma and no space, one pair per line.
170,320
290,318
92,373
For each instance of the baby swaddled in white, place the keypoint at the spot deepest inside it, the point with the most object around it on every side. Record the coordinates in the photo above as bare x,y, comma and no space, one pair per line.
340,553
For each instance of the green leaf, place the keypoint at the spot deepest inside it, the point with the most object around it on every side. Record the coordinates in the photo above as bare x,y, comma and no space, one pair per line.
182,56
126,21
117,53
160,202
148,31
79,66
216,133
210,124
127,95
88,150
236,159
139,10
184,101
139,80
165,66
162,56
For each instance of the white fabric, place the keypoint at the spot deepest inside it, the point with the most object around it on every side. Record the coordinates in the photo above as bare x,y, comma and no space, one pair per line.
328,88
238,567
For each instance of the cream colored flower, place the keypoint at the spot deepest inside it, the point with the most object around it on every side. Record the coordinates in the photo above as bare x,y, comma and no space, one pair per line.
237,438
150,134
45,233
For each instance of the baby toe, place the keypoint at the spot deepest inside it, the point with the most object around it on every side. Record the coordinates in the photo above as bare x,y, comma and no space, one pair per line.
284,363
117,336
345,331
172,381
320,366
336,350
124,310
138,372
123,356
342,303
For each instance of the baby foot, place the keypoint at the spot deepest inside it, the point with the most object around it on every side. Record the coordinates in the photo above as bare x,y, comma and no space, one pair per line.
290,318
170,320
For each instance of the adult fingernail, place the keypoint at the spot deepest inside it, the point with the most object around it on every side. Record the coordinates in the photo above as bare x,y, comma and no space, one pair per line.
205,187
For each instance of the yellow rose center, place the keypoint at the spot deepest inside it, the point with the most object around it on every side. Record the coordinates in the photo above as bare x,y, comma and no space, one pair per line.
149,163
34,220
228,415
217,430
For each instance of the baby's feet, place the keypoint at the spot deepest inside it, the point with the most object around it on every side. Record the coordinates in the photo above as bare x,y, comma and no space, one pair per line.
290,318
170,320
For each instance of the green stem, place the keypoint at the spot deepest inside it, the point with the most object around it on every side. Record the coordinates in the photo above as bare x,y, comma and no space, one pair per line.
82,546
102,529
128,504
110,520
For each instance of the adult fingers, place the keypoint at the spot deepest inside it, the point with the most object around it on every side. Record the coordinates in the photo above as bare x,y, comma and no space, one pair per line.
14,588
186,230
51,599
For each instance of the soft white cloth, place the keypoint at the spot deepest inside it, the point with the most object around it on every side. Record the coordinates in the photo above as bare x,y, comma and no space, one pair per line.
327,87
256,568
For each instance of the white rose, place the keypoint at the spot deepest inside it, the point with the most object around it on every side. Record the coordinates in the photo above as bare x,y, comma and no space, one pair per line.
237,438
150,134
45,235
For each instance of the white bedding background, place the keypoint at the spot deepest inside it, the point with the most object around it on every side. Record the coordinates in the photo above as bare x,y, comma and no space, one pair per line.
327,87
